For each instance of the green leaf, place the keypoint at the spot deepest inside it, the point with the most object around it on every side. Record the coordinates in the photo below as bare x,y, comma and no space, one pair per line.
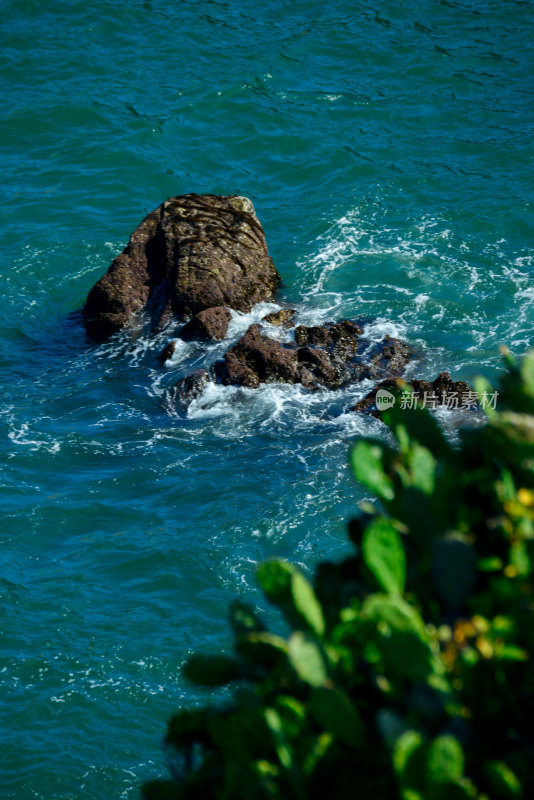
510,652
367,460
306,603
334,711
274,577
394,613
519,559
292,713
422,469
403,640
282,747
384,555
490,564
307,659
527,372
484,390
445,760
289,589
417,425
265,649
408,763
243,619
211,670
405,746
503,781
319,749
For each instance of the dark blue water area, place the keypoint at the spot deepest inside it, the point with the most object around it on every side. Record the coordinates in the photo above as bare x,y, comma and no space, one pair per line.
387,148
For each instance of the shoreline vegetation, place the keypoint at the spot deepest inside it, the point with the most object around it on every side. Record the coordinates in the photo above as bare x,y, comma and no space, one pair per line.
407,670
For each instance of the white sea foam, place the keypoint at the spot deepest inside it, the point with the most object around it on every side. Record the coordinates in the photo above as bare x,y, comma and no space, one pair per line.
22,436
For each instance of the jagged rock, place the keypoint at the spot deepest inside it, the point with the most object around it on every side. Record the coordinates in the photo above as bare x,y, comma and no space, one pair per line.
439,392
284,317
192,253
209,324
326,371
442,385
192,386
330,356
167,352
342,338
350,357
256,359
386,359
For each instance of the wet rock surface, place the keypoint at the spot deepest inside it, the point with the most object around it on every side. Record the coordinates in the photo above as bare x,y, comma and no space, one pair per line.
190,387
167,352
209,324
195,259
283,318
329,356
257,358
192,253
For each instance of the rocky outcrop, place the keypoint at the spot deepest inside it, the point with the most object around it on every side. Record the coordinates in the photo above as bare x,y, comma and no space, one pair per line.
384,359
192,386
194,252
341,337
257,358
209,324
442,391
329,356
283,318
197,258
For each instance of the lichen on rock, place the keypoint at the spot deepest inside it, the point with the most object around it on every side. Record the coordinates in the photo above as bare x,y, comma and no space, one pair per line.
192,253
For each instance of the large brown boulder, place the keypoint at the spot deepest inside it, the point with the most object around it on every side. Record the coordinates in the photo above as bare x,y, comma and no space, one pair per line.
385,359
192,253
340,338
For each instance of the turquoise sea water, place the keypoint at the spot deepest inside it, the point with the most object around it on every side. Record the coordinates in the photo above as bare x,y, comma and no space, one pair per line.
387,148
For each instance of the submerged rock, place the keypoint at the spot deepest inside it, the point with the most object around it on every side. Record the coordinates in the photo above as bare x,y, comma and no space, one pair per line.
443,391
192,253
167,352
209,324
192,386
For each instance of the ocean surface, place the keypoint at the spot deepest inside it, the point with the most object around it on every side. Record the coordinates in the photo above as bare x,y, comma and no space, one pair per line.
387,147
